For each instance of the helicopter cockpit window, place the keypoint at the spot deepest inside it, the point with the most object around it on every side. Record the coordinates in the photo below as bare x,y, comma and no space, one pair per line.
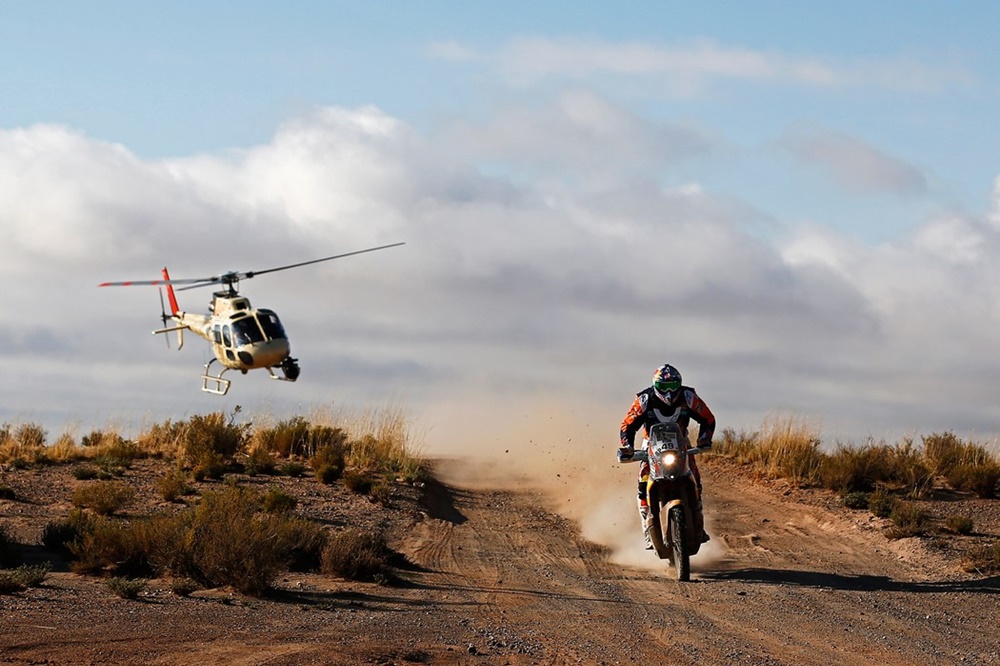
246,331
271,324
226,337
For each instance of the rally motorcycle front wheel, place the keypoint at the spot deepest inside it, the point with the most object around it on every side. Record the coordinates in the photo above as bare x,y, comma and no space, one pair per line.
677,537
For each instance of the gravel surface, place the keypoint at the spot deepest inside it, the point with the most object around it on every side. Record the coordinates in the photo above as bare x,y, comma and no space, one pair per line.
495,577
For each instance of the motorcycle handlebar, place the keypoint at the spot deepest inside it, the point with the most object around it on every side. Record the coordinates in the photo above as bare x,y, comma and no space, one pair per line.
641,455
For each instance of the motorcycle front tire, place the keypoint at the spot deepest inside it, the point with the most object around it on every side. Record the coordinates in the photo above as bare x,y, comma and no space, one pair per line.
678,540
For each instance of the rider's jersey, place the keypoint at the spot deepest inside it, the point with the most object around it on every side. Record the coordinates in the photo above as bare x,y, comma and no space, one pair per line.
649,409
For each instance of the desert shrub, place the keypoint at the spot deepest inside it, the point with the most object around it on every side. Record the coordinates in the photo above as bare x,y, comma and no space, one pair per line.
324,437
126,588
248,563
381,492
183,587
850,469
260,461
387,453
984,560
163,439
109,545
959,524
306,540
59,534
173,485
328,462
908,520
10,549
856,500
22,578
212,438
328,474
945,451
211,465
357,554
85,472
65,449
30,435
276,500
23,445
783,448
9,584
982,478
285,439
910,469
358,481
736,445
93,439
32,575
881,503
293,468
103,497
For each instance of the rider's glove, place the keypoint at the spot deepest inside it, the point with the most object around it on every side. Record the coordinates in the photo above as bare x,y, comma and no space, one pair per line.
625,453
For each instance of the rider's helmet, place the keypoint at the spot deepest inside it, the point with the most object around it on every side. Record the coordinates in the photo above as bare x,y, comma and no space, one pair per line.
666,382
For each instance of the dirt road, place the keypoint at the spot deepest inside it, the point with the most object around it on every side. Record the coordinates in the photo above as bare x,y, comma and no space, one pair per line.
497,578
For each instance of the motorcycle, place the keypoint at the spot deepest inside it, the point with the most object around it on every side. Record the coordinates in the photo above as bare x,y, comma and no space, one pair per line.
675,523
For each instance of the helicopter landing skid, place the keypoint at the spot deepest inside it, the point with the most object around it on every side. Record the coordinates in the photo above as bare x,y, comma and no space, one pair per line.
214,384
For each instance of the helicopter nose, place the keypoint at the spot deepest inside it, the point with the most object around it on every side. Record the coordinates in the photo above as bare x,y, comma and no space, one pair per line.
265,354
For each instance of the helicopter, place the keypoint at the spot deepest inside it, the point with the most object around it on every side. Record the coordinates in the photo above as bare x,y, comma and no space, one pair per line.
242,337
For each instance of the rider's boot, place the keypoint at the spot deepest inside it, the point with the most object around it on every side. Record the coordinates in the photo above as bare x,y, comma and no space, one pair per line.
643,514
704,535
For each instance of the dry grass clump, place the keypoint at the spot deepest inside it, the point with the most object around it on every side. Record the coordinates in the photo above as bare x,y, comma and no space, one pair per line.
908,519
226,539
853,469
328,461
59,535
23,577
984,560
103,497
982,479
959,524
357,554
22,445
783,448
276,500
789,449
173,485
126,588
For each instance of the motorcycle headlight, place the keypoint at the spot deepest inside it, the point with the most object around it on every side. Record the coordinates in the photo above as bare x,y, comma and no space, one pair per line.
668,458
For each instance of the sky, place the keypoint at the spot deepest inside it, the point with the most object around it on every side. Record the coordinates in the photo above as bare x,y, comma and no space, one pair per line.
796,204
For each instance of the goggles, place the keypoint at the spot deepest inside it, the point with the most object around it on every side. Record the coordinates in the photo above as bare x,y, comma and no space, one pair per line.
667,387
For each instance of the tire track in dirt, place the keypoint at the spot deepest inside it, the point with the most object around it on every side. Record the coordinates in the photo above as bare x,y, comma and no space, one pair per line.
781,583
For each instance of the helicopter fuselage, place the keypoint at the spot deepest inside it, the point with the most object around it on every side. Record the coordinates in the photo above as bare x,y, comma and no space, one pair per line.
242,338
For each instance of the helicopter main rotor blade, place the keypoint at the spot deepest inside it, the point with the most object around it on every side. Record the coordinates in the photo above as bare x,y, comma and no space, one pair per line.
251,274
232,278
133,283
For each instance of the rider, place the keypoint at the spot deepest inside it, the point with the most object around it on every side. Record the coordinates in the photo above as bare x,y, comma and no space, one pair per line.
667,400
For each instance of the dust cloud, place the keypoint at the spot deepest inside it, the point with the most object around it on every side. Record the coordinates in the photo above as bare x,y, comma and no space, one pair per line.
565,452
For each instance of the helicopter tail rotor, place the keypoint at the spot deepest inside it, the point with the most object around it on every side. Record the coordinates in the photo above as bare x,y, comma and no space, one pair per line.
163,317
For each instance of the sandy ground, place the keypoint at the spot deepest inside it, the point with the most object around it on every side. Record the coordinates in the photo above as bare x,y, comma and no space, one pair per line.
546,567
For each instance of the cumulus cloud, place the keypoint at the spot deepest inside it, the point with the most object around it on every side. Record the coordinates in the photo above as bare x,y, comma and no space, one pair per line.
854,164
574,282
